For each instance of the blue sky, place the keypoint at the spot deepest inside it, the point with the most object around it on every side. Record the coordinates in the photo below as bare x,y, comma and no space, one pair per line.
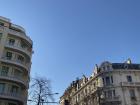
71,36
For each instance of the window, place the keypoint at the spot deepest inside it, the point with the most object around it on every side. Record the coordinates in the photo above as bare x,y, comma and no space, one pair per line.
114,93
94,84
111,79
20,59
17,73
107,81
78,97
23,45
85,91
11,42
0,36
103,68
9,55
109,94
2,86
103,81
67,102
1,24
129,78
108,67
14,90
105,94
4,71
132,94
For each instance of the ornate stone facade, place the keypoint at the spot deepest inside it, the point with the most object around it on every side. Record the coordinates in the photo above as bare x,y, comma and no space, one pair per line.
109,84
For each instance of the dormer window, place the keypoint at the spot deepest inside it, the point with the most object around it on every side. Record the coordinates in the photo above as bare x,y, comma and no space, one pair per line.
125,66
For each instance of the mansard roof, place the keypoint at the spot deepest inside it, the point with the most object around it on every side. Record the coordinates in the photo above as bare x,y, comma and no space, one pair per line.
125,66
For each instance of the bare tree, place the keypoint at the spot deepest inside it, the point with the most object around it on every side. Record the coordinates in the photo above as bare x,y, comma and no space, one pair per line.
40,90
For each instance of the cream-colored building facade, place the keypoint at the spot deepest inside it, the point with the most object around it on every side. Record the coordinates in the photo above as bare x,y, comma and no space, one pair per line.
15,63
109,84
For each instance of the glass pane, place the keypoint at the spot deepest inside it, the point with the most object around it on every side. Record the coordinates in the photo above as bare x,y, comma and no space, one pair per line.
4,71
2,86
11,41
107,81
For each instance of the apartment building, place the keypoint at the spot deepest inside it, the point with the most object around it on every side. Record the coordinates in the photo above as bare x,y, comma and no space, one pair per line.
15,63
109,84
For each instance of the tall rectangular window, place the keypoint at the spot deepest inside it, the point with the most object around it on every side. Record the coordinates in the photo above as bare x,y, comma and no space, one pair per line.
2,87
111,79
109,94
103,81
20,59
132,94
107,80
4,70
0,36
129,78
114,93
9,55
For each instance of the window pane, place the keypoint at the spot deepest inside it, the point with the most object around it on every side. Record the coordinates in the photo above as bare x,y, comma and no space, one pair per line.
109,94
20,59
11,41
4,71
114,93
18,74
1,24
2,86
14,90
107,81
129,79
0,36
112,79
132,94
9,55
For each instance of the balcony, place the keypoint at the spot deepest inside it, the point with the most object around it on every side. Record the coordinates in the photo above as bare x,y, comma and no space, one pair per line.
15,79
18,27
13,96
20,34
16,62
16,47
114,99
130,84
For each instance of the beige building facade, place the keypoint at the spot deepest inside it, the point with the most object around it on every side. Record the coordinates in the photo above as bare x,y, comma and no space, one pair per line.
109,84
15,63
